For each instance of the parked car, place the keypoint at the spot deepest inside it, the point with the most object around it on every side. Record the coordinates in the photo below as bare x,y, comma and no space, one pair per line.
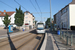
6,27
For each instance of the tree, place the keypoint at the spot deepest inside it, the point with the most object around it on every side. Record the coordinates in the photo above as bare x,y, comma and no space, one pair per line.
48,22
35,22
19,17
6,21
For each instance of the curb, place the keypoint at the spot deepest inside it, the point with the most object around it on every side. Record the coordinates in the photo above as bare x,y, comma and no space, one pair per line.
44,43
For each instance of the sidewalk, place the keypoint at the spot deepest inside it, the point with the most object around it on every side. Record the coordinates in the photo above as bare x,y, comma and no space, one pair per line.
61,44
48,43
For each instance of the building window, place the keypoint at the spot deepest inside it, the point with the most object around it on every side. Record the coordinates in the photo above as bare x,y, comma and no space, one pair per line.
26,13
4,12
26,20
29,21
2,18
64,25
33,21
67,9
26,17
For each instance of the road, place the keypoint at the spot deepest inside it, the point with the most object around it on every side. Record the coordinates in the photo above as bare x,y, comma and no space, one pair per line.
26,41
3,31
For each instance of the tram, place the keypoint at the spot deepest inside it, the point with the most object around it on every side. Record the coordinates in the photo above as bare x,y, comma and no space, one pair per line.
40,28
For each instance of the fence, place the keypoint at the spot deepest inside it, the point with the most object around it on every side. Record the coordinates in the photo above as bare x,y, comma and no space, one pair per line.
69,37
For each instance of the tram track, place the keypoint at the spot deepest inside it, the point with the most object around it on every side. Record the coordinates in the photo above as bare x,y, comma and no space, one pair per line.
21,42
30,45
6,39
14,39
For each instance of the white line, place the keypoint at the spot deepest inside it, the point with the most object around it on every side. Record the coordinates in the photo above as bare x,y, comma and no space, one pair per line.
44,43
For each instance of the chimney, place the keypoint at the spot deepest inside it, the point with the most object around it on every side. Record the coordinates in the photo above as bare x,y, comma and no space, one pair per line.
4,10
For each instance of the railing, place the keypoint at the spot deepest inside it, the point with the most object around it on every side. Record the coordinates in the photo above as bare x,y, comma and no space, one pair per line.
68,37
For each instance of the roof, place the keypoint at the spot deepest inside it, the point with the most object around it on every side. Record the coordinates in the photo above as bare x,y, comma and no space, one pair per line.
29,12
73,2
8,13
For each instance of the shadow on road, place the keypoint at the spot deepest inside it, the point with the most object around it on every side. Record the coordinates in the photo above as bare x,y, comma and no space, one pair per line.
33,32
38,37
11,43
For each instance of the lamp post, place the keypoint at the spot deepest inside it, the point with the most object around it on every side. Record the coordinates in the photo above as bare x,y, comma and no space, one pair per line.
50,17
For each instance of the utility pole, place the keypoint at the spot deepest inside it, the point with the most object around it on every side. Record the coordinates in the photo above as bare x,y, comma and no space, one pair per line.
50,17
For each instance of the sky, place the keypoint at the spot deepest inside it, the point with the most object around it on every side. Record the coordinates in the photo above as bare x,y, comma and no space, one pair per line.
44,6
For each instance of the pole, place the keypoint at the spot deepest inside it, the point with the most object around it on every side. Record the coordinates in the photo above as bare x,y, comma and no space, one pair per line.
41,17
67,24
50,16
71,40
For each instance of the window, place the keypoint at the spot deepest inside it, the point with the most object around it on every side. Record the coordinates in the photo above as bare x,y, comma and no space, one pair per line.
26,17
67,9
26,20
64,25
2,18
63,11
26,13
4,12
29,21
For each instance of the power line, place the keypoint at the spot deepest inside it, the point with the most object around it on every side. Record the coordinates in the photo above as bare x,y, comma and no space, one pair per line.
20,5
40,12
7,4
39,9
34,6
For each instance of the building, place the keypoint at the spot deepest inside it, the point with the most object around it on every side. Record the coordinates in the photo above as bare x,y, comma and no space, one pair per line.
11,15
65,18
29,20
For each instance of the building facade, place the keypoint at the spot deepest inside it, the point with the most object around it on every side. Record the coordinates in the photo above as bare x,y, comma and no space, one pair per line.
65,17
11,16
29,20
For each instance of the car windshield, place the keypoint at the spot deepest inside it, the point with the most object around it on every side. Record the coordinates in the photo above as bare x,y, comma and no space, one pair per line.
40,28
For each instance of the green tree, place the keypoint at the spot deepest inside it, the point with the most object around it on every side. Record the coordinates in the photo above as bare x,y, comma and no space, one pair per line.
6,21
48,22
35,22
19,17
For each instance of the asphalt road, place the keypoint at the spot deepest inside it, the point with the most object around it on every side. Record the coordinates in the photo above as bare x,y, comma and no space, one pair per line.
3,31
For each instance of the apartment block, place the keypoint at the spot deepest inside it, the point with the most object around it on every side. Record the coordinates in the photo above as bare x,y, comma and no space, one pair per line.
65,18
29,20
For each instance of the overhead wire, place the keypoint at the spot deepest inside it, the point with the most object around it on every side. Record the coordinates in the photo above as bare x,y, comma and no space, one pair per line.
39,9
20,5
34,6
6,4
41,12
